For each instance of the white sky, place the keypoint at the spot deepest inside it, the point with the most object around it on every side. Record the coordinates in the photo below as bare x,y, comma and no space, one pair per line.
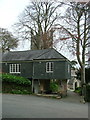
10,10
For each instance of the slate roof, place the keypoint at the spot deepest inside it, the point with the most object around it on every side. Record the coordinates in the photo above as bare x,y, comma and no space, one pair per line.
32,55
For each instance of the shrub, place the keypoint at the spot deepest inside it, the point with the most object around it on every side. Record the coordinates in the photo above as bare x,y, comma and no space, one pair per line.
10,88
15,79
15,84
20,92
54,87
78,90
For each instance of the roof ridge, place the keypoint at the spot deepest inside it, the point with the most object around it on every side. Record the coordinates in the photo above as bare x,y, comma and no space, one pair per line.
44,53
29,50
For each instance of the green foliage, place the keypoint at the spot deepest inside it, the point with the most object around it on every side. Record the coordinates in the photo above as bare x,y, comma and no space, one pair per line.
15,84
15,89
78,90
14,79
54,87
20,92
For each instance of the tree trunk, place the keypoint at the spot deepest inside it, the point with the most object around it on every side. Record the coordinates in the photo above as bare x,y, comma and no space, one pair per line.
83,82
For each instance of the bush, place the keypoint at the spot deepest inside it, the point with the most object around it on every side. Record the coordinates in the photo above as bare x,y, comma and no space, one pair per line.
15,79
54,87
15,84
78,90
12,88
20,92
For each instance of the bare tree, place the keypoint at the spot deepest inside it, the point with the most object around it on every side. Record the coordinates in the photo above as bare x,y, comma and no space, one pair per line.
36,23
7,40
77,28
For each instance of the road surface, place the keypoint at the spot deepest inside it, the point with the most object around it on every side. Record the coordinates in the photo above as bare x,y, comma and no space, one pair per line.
29,106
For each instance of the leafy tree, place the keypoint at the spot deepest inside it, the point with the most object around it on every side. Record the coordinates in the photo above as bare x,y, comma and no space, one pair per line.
7,40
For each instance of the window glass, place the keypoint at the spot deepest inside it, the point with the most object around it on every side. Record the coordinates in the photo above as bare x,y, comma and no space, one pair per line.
15,68
49,67
68,68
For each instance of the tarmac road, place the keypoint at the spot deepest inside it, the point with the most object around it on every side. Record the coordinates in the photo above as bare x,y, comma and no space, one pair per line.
29,106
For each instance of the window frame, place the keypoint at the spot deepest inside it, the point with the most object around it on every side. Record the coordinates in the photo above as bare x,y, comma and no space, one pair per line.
49,67
68,68
15,68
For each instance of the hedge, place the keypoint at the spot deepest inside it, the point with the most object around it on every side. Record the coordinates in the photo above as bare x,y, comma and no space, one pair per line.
15,79
79,90
15,89
15,84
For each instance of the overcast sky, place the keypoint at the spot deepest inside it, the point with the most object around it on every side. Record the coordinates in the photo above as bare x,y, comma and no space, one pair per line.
10,10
